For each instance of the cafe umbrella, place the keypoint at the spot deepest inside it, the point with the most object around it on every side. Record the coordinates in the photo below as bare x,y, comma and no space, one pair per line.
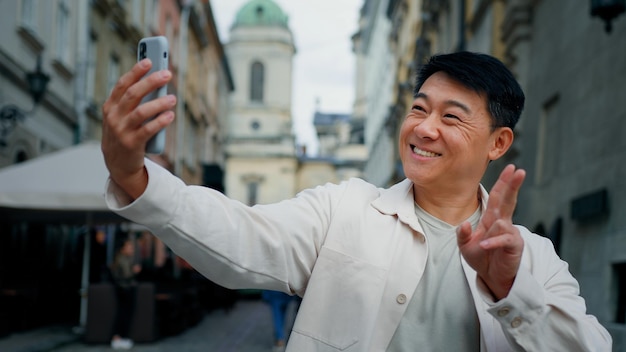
66,187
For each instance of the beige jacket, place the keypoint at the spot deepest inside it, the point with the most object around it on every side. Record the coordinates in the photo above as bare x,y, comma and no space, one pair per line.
355,253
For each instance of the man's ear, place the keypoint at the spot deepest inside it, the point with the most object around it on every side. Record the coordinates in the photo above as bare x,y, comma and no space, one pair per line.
502,139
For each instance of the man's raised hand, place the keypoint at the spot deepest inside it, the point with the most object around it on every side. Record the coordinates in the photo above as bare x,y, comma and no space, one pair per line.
125,131
495,248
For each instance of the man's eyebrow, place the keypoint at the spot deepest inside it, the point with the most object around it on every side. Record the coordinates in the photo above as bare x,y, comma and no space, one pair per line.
452,102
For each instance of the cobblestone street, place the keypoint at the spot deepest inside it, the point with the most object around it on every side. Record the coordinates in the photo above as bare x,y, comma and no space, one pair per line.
247,327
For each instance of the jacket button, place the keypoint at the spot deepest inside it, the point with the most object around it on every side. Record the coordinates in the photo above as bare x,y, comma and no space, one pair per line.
503,311
516,322
401,299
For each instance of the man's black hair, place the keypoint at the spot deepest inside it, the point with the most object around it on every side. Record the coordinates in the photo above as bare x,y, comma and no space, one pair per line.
485,75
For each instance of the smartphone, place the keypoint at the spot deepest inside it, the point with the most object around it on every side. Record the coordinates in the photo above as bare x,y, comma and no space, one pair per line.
157,50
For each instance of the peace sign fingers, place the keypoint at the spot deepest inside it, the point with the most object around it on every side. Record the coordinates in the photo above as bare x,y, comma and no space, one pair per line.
503,195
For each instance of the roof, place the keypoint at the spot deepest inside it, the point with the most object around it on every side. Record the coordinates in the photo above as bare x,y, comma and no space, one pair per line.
326,119
261,13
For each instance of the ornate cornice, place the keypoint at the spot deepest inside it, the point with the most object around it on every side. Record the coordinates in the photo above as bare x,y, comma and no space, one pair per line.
516,26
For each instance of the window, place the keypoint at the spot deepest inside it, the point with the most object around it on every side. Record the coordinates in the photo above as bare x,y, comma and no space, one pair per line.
154,16
619,271
190,138
28,25
548,142
257,77
173,40
555,234
253,190
20,157
252,183
28,14
62,31
113,74
90,81
136,12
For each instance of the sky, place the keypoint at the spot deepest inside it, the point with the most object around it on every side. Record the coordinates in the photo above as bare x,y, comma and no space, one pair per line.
324,65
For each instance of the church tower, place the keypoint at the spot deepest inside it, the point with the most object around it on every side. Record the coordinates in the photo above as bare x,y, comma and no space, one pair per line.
261,162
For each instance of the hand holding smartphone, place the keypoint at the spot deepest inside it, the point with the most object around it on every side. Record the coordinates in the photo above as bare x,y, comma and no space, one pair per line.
157,50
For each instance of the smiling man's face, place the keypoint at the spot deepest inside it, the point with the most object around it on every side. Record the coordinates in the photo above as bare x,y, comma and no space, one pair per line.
447,140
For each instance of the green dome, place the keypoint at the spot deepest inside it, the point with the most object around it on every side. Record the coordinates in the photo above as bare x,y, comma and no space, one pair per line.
260,13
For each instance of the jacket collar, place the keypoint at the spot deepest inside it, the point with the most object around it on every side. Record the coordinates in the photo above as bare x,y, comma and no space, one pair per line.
398,200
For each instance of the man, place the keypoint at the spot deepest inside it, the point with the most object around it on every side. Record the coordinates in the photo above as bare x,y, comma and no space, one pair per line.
124,271
433,263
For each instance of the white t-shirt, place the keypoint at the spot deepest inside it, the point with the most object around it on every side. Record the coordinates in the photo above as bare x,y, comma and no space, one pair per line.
441,315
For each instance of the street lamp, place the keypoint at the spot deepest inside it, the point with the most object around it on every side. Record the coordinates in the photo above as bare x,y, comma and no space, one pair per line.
607,10
11,114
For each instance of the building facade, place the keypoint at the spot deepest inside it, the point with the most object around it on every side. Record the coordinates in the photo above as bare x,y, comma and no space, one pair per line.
261,161
83,47
571,144
37,36
342,151
375,72
203,83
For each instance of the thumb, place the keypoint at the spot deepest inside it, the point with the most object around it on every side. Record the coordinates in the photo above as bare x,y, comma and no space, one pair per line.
463,233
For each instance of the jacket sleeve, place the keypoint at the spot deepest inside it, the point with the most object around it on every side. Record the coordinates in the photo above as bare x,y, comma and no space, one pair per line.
237,246
544,310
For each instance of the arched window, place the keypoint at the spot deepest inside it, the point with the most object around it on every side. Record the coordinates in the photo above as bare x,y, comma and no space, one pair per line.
20,157
257,78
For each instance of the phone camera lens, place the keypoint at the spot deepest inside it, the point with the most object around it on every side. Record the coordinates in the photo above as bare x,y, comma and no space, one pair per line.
142,50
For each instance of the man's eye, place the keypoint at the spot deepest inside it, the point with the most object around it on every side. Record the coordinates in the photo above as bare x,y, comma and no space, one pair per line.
452,116
417,108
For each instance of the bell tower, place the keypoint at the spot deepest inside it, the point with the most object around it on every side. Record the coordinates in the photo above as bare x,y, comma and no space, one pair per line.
261,161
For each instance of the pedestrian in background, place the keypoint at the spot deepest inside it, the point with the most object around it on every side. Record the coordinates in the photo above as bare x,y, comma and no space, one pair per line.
279,303
98,267
432,263
123,271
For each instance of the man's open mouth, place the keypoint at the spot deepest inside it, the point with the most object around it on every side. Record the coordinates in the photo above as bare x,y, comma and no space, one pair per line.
424,153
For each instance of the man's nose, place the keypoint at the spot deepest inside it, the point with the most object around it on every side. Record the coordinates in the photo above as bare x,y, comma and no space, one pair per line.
428,127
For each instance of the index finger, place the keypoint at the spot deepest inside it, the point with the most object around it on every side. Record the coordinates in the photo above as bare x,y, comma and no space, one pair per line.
129,78
503,195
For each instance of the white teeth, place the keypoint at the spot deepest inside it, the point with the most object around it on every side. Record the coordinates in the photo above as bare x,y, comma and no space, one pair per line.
418,151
